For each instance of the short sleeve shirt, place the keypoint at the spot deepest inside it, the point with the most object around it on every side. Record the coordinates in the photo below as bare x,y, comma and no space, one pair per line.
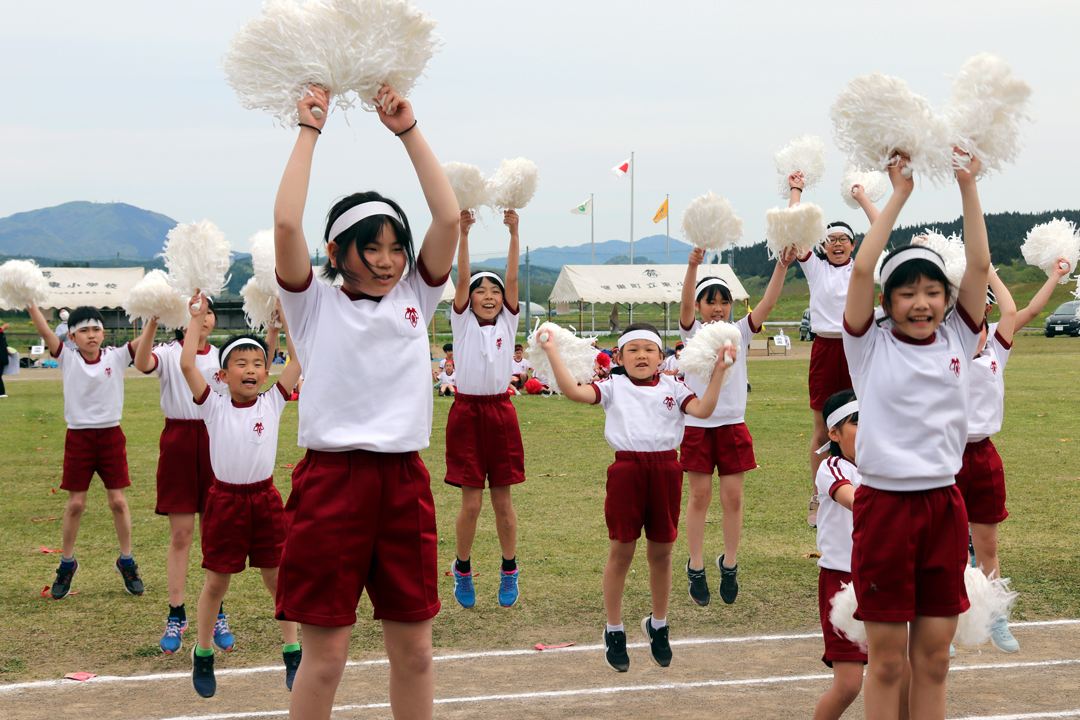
835,523
828,291
986,408
175,394
483,354
243,437
93,391
643,415
731,407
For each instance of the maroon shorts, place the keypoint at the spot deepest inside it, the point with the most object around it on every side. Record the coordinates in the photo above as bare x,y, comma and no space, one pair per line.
103,451
837,647
242,522
644,490
828,370
982,483
483,441
357,520
184,475
728,448
909,555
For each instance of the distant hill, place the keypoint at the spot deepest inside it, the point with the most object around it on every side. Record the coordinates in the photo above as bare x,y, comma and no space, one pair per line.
85,231
654,246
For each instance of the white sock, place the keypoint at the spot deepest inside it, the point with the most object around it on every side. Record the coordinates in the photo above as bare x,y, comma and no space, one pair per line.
615,628
658,623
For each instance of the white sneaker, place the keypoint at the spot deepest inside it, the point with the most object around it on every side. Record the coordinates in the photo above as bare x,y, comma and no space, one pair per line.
952,650
1001,637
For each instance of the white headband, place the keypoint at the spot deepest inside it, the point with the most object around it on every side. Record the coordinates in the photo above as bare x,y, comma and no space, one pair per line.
88,322
710,282
357,213
640,335
498,280
842,412
838,229
238,343
909,253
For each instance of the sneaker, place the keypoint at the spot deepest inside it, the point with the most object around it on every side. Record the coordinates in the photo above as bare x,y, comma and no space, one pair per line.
971,550
202,674
811,517
292,662
463,588
699,585
1001,637
62,586
658,642
729,581
133,584
952,651
508,589
173,640
223,637
615,651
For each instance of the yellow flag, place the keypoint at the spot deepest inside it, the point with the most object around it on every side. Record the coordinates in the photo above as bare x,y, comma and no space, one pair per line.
661,213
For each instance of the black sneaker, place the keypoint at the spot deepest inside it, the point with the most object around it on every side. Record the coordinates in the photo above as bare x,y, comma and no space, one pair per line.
62,586
658,642
202,674
699,585
132,582
292,662
615,651
729,581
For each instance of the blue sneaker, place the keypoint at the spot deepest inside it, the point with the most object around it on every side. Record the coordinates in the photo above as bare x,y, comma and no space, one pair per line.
223,637
508,589
463,589
292,664
1001,637
202,674
173,640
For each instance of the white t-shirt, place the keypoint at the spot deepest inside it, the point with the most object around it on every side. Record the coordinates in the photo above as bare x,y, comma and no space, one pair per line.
367,364
483,354
835,523
731,407
520,367
445,379
243,437
93,391
643,415
670,364
913,402
175,394
986,399
828,292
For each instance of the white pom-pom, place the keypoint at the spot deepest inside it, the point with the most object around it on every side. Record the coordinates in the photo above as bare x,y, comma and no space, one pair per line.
877,116
153,297
794,227
951,250
701,351
22,283
264,261
875,184
986,106
805,154
198,257
1045,244
990,599
351,48
842,615
578,355
513,184
709,222
468,183
259,305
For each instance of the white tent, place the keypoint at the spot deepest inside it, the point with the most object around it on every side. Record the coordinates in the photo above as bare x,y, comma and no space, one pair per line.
98,287
633,283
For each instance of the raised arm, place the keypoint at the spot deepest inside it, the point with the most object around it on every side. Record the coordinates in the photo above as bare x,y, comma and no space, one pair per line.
686,306
796,183
772,291
976,245
196,382
144,349
1006,307
702,407
464,269
51,341
868,207
567,385
510,298
291,374
1023,317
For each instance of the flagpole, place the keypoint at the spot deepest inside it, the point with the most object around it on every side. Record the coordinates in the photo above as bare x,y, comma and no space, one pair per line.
631,208
667,231
592,249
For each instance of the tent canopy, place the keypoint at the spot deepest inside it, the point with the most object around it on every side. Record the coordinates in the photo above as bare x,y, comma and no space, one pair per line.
97,287
633,283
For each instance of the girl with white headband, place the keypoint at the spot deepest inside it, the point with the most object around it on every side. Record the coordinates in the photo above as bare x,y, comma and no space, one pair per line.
911,372
362,488
483,440
720,441
646,412
93,406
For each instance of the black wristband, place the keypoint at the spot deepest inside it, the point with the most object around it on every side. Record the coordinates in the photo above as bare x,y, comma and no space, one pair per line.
406,129
310,126
795,188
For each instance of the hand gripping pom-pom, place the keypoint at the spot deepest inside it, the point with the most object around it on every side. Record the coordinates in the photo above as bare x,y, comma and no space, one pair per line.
316,112
990,599
709,222
1049,242
805,154
22,283
792,228
153,297
198,257
578,355
543,337
702,351
951,250
842,615
264,261
875,184
468,183
513,184
259,305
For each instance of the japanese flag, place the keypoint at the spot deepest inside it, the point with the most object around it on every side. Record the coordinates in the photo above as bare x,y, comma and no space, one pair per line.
621,169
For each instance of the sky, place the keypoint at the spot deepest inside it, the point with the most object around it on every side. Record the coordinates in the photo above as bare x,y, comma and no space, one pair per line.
125,101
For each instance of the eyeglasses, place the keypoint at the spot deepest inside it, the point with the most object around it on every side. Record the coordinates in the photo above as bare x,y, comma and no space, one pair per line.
837,240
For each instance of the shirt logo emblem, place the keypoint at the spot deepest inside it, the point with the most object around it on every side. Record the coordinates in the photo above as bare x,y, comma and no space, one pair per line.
258,429
954,365
993,366
412,316
498,343
669,402
219,376
108,372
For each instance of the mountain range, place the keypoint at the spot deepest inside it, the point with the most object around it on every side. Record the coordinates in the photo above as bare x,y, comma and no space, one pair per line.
85,230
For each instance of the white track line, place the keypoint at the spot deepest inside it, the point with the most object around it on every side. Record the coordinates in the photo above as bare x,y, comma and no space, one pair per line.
1026,716
441,658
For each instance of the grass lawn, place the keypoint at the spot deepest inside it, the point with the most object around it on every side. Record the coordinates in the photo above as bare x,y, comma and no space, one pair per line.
562,537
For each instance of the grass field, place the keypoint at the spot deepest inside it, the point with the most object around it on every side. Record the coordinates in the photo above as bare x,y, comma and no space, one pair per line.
562,536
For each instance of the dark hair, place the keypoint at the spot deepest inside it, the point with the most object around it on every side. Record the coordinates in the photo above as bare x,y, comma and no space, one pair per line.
447,347
710,292
679,346
179,332
518,347
819,251
84,312
245,336
909,271
365,233
476,283
832,405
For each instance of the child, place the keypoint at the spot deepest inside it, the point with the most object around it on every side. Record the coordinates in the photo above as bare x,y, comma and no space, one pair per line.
244,516
645,417
447,381
448,351
519,369
910,371
670,366
483,440
720,440
93,405
362,485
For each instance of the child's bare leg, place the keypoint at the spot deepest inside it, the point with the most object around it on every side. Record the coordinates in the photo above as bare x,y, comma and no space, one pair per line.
847,682
887,651
819,438
181,531
929,653
505,520
288,628
325,651
121,518
659,555
76,504
412,672
213,593
905,693
618,565
697,507
731,502
472,500
984,539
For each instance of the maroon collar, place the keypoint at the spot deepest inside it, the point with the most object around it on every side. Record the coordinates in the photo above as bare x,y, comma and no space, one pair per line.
912,341
651,382
100,352
846,262
249,403
204,351
360,296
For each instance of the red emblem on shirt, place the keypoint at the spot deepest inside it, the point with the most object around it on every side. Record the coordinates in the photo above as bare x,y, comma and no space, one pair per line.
993,366
669,402
258,428
498,343
954,365
108,372
412,316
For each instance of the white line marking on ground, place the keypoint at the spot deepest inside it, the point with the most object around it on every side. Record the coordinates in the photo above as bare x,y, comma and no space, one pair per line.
1027,716
441,658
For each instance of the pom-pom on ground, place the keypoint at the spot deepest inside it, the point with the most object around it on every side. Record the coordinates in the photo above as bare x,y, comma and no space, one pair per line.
710,223
264,261
22,283
259,305
468,183
951,250
805,154
875,184
153,297
578,354
513,184
198,257
1045,244
842,615
990,599
699,356
797,227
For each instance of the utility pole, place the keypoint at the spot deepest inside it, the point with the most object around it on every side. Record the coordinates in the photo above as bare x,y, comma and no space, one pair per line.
528,295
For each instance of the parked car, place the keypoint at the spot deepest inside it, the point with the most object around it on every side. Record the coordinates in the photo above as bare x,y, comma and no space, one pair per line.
1063,320
805,331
